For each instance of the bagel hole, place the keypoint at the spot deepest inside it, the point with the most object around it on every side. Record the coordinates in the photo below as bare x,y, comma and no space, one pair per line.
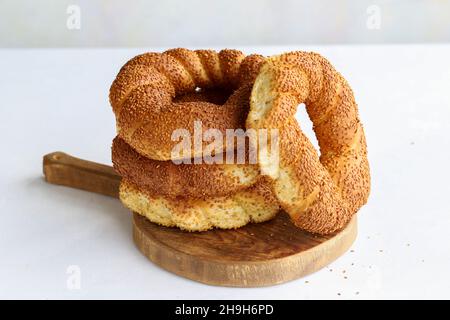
306,125
212,95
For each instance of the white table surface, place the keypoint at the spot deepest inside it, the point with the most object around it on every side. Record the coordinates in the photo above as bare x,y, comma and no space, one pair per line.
57,99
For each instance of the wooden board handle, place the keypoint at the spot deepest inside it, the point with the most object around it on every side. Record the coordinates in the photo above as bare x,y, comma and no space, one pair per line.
63,169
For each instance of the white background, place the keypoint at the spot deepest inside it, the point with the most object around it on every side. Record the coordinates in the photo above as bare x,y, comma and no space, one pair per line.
57,99
27,23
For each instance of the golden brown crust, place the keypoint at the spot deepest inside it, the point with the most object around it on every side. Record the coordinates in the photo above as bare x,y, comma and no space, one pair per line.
255,204
187,180
250,67
143,96
320,194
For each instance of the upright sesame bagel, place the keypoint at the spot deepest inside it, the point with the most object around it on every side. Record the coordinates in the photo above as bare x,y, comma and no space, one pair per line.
321,194
170,180
255,204
143,97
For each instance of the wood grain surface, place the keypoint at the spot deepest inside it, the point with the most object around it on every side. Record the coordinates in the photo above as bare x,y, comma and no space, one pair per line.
256,255
61,168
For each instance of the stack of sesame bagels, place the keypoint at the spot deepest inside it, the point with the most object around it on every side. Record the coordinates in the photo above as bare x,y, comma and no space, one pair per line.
156,95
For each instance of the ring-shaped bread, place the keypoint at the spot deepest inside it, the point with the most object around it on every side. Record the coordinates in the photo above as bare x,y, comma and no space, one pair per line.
171,180
321,194
254,204
143,97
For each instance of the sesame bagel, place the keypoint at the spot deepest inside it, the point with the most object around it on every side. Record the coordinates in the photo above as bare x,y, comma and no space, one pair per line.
144,97
256,204
321,194
187,180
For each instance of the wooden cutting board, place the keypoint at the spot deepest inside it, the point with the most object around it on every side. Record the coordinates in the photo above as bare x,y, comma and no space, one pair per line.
256,255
